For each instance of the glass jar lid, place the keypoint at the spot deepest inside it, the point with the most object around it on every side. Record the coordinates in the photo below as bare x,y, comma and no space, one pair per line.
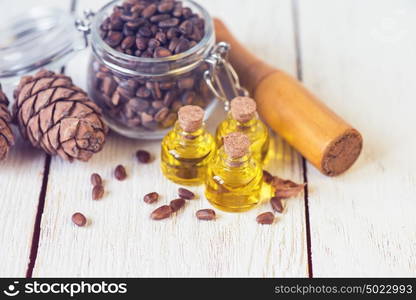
34,38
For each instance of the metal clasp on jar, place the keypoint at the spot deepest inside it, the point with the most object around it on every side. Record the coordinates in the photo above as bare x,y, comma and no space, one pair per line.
221,77
84,25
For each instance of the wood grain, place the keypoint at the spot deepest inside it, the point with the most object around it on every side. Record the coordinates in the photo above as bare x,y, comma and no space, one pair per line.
359,56
121,240
20,185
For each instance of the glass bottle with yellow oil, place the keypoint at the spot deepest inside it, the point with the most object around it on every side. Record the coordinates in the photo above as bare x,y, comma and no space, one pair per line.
187,148
234,177
243,118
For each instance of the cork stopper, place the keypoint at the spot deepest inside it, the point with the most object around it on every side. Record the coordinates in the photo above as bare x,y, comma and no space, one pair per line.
243,109
190,118
236,144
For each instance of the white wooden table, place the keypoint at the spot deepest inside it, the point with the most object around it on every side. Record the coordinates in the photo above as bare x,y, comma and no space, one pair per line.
359,56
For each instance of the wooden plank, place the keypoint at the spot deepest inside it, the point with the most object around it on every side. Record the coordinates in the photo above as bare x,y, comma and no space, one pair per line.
359,57
121,239
20,185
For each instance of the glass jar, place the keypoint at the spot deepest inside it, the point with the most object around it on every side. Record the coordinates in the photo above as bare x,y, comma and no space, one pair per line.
140,96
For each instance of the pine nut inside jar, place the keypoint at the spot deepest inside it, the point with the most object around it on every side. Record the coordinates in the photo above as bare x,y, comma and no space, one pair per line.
147,62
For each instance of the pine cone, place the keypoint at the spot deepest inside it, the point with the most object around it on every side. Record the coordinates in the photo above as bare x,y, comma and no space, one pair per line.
58,117
6,134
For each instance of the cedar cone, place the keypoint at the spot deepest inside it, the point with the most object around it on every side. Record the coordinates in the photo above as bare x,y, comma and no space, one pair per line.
6,134
58,117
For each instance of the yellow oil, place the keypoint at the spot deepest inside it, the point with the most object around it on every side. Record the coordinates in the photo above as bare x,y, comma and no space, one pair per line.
234,185
255,130
185,156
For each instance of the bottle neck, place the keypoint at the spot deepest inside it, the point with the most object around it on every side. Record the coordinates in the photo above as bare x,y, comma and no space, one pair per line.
234,163
243,125
189,137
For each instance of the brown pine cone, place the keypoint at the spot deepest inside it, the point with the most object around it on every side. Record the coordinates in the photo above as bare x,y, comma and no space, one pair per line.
6,134
58,117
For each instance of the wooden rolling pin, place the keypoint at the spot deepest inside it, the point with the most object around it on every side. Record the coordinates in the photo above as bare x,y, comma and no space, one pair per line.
320,135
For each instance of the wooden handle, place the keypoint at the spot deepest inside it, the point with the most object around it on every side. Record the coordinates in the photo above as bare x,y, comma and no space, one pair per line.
320,135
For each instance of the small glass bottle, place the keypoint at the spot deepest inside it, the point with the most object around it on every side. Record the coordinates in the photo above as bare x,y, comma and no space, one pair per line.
243,118
187,148
234,177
